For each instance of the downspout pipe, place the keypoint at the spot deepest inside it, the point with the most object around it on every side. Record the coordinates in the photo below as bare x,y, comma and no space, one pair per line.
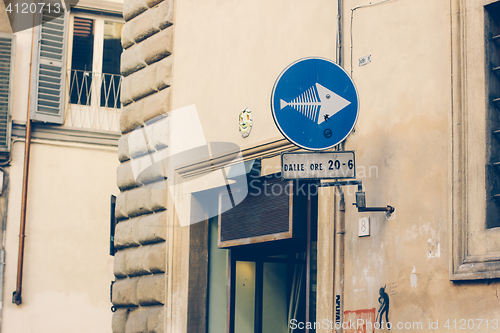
340,8
339,258
6,182
339,205
17,295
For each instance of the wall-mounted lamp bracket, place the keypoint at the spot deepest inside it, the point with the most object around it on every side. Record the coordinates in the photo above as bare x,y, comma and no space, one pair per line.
360,197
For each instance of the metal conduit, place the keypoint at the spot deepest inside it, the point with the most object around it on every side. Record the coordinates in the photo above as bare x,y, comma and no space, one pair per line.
17,295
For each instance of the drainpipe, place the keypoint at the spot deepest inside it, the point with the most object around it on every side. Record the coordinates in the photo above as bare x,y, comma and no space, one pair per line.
16,297
339,259
339,205
339,32
6,184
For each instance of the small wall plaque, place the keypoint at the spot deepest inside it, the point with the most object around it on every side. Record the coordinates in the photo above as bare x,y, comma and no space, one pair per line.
245,120
365,60
364,226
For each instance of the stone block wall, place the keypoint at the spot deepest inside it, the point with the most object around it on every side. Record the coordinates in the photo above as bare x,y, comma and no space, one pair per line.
140,290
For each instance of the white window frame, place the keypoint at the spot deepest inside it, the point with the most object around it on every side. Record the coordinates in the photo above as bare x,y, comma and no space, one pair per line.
475,249
75,111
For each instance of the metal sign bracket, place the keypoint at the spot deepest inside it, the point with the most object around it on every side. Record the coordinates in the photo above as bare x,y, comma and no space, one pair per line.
360,197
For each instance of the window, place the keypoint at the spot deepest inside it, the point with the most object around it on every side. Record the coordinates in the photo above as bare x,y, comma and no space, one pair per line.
476,141
94,72
492,54
86,48
76,72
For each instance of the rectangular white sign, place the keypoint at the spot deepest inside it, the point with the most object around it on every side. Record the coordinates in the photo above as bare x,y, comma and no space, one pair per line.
325,165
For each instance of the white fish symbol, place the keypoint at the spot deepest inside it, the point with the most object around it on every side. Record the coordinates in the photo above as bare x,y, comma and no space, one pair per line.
313,100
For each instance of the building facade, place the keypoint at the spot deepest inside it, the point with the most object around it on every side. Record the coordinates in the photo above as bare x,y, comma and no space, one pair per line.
425,143
60,83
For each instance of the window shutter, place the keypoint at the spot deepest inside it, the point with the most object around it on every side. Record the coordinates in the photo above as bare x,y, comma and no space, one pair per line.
49,68
7,45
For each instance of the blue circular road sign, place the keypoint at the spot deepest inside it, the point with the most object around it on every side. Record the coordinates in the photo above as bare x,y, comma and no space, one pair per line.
314,103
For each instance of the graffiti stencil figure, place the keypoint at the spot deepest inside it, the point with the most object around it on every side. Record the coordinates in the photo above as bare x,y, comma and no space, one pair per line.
384,307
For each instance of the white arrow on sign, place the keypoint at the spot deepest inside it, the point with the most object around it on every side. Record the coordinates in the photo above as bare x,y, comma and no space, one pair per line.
317,98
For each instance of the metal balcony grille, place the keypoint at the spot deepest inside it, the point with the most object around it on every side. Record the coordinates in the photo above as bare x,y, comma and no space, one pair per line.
93,100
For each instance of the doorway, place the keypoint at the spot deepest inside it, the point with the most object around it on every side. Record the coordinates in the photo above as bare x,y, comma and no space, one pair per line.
265,293
270,294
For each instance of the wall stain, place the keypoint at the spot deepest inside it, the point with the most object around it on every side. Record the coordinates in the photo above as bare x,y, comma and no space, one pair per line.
367,316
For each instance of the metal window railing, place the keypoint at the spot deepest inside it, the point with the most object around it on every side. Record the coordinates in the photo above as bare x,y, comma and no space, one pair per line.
93,100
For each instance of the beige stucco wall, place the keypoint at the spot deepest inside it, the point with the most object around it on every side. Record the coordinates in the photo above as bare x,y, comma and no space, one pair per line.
67,266
404,129
228,57
21,75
